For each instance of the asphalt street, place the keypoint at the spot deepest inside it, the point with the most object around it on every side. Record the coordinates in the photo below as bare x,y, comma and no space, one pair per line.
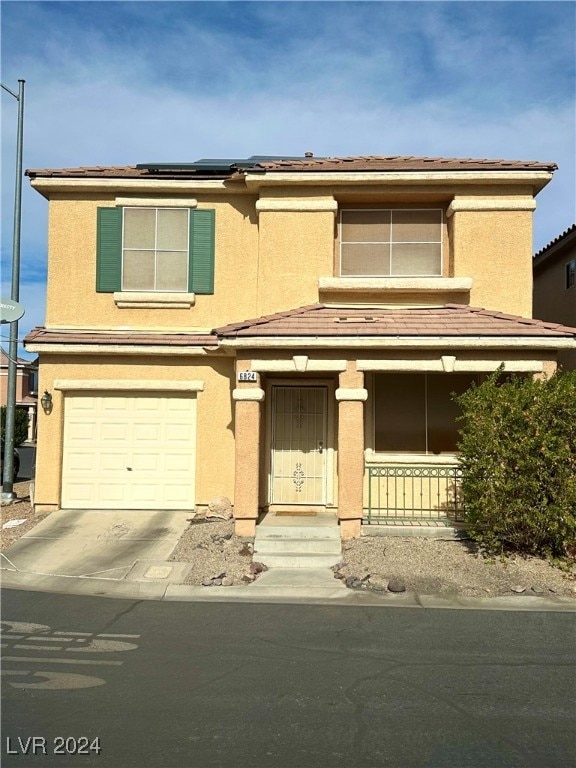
120,683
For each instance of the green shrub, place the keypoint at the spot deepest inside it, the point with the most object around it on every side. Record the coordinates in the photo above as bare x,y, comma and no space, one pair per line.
518,456
20,425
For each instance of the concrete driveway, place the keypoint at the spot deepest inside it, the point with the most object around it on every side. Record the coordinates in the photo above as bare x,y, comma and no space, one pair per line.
104,543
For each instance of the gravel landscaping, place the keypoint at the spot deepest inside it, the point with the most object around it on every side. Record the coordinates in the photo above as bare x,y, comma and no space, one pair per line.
423,565
447,567
217,557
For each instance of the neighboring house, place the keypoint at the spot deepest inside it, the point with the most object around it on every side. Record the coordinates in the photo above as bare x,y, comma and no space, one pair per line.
555,286
26,388
286,332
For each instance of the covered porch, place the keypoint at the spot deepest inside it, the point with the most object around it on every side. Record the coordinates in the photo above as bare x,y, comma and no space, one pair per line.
347,411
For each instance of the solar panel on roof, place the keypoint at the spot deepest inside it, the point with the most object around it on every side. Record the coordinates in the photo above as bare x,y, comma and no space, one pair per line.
221,165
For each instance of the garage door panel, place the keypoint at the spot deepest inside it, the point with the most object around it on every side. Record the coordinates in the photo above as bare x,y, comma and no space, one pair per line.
83,431
176,462
179,432
115,432
147,462
112,462
147,432
176,499
105,435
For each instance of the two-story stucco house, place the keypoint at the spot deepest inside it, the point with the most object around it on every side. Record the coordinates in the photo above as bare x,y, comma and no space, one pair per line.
286,332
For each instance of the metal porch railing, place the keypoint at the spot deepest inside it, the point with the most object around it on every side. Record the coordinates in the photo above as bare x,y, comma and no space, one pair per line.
402,493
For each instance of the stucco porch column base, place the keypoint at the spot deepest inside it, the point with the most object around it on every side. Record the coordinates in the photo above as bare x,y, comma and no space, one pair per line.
247,433
351,529
245,528
350,396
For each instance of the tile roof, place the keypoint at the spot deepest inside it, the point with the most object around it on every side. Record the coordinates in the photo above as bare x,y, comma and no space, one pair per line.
5,360
404,163
119,338
309,164
558,242
318,320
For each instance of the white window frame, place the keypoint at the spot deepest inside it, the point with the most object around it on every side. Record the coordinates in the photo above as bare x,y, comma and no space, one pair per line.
392,242
155,249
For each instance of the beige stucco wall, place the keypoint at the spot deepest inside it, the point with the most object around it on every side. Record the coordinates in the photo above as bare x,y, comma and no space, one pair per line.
72,299
272,248
495,249
215,425
296,248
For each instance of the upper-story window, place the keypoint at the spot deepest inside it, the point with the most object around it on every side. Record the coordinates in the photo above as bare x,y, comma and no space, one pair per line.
571,274
155,250
384,242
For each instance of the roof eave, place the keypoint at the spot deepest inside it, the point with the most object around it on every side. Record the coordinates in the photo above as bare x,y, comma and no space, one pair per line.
537,179
402,342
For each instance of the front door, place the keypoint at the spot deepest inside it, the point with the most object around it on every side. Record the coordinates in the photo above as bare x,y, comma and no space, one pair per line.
298,465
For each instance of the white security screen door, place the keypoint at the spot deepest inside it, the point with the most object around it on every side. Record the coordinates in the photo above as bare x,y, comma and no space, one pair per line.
298,445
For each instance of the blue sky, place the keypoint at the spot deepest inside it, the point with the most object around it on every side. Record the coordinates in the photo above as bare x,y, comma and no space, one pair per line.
116,83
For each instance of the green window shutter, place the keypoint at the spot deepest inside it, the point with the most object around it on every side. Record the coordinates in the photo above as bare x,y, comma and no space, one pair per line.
109,250
201,254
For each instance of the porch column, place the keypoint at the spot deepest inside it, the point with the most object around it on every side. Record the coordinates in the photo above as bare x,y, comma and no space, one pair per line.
247,468
351,396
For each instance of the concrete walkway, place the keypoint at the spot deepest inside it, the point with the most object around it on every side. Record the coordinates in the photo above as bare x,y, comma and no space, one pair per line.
116,554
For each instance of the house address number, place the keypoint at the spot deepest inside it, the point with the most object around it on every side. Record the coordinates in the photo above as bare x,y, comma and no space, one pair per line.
247,376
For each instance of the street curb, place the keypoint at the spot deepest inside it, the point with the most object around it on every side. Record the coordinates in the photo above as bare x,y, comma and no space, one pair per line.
255,593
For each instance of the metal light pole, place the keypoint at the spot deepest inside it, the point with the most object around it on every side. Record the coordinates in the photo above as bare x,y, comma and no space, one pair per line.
7,480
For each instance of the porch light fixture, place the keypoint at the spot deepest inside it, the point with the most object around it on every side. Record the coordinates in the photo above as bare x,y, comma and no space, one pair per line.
46,402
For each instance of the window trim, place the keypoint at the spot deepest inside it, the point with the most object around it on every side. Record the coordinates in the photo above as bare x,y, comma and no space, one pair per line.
570,274
344,209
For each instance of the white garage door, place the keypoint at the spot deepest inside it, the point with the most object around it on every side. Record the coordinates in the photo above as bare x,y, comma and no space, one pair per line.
129,452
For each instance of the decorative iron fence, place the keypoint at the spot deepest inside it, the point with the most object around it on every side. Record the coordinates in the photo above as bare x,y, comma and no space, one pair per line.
400,492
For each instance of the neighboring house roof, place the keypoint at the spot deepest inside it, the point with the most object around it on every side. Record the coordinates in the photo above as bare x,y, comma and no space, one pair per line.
203,169
44,336
555,247
5,359
450,320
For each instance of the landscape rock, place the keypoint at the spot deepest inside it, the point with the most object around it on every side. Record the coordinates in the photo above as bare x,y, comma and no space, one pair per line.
257,567
227,581
217,582
220,507
206,582
396,585
518,589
